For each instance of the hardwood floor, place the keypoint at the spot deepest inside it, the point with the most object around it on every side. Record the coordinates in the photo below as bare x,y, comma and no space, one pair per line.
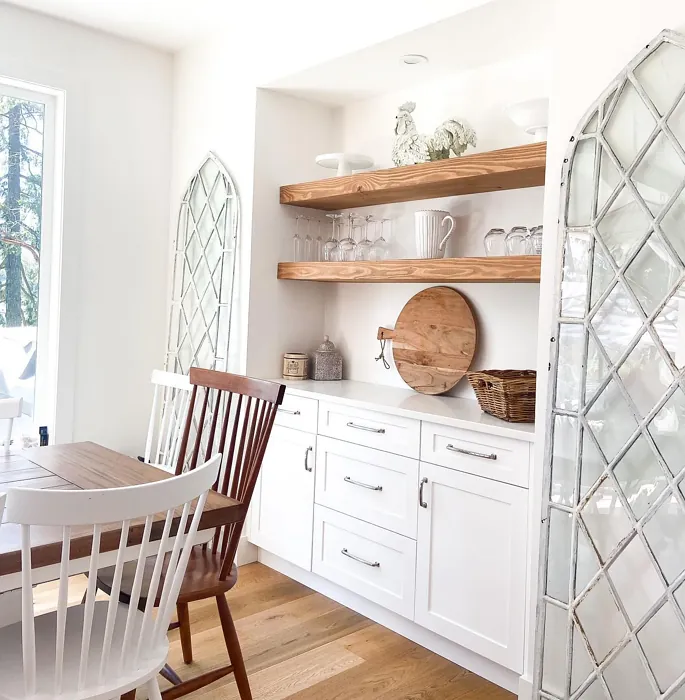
300,645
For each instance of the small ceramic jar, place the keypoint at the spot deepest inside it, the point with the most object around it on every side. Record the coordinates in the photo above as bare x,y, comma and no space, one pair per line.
327,362
295,365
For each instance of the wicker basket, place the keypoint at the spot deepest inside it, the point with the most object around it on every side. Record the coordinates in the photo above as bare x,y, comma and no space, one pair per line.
508,394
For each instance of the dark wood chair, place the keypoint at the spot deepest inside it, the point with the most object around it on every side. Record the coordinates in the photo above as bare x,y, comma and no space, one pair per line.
233,415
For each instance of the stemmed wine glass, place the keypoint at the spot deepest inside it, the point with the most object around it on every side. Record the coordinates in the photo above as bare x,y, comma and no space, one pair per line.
348,245
297,240
308,243
379,249
364,246
318,242
331,248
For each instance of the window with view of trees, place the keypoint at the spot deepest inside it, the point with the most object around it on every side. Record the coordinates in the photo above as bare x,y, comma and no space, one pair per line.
21,203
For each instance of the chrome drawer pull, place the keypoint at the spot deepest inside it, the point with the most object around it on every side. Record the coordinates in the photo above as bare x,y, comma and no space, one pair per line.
422,503
285,410
306,459
363,427
461,451
349,480
372,564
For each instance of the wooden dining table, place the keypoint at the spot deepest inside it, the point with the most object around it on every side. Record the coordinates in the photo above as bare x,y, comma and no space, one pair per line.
83,465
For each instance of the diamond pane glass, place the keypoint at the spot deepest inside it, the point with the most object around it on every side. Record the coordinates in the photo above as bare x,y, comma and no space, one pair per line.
606,519
602,275
601,620
661,75
659,174
665,534
670,327
652,274
616,322
620,458
626,675
663,640
611,420
623,226
629,126
636,580
582,665
645,375
640,477
668,430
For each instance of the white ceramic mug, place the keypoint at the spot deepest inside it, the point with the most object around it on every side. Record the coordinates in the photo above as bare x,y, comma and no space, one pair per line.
430,236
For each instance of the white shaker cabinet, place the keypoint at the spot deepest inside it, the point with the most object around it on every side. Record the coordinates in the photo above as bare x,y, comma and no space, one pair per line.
283,502
471,562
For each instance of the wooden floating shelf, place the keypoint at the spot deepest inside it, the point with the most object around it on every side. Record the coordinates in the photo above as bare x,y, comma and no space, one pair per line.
506,169
519,268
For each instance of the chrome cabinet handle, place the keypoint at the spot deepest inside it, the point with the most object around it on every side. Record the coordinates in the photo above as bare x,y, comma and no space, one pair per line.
285,410
462,451
363,427
372,564
422,503
306,459
349,480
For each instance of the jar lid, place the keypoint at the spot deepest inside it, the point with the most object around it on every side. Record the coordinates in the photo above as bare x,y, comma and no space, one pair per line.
295,355
326,346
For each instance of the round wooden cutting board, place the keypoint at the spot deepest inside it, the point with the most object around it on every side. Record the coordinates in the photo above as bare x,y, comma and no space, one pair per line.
434,340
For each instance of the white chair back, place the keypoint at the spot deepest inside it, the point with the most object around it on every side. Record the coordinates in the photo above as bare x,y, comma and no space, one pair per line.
115,648
9,410
167,418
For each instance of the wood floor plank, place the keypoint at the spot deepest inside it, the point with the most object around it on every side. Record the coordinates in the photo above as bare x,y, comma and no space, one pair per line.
299,645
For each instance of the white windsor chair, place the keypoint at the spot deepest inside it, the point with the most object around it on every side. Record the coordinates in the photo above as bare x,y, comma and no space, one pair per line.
167,418
101,650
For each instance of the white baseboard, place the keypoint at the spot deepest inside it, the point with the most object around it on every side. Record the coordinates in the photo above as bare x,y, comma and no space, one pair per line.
247,552
525,688
459,655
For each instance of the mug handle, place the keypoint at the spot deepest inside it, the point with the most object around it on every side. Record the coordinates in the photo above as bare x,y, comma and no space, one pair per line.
449,233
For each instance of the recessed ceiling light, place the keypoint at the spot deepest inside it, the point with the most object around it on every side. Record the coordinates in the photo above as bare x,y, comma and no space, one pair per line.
413,59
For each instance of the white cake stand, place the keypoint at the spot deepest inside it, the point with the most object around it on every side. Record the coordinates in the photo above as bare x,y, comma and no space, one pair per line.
344,163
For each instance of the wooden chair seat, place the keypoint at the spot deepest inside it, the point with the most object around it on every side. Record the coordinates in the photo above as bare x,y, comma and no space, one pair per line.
201,580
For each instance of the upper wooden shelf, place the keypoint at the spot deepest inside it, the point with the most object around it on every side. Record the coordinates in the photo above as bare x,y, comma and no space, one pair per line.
506,169
519,268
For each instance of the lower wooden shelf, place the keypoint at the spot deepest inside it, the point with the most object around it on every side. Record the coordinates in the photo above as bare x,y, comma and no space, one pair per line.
519,268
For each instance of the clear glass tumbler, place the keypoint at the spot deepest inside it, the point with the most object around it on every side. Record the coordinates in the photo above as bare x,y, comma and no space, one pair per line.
495,243
517,242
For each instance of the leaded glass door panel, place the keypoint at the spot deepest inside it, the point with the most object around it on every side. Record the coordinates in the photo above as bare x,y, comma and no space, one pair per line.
612,622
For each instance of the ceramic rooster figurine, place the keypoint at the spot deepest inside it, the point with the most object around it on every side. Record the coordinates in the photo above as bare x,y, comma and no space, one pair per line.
410,147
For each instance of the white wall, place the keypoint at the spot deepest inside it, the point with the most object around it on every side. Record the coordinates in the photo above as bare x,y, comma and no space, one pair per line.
116,195
506,314
283,316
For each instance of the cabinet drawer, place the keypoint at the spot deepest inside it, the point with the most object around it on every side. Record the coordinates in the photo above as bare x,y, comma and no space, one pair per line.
297,412
368,560
491,456
370,428
378,487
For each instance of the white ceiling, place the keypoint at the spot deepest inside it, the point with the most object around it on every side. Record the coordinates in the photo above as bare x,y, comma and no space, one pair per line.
172,24
481,34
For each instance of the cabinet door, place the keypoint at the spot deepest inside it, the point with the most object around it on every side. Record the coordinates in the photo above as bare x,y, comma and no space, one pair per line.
283,501
471,563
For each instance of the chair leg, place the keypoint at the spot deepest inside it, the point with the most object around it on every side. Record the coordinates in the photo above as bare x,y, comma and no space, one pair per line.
233,647
186,637
153,691
170,675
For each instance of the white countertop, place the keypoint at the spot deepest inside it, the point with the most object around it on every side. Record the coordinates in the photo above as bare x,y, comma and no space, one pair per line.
447,410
